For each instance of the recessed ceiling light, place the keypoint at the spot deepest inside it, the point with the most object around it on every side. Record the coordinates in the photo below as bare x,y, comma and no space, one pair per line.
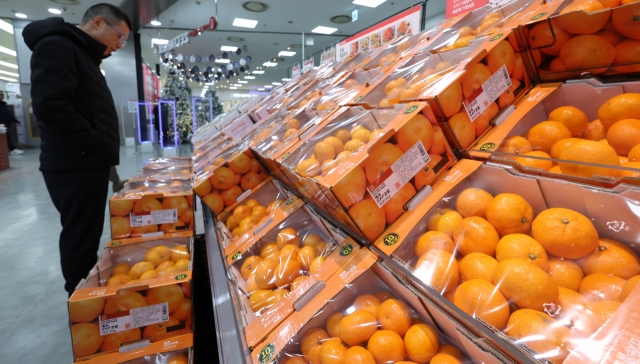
55,11
21,16
244,23
249,77
8,79
369,3
67,2
228,49
233,88
7,64
286,54
286,79
269,64
268,86
155,23
223,60
9,73
276,83
341,19
7,51
324,30
240,81
261,89
257,72
254,6
159,41
6,26
235,39
237,85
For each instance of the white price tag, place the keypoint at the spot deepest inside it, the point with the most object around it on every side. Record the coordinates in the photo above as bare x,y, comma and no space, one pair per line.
239,128
401,172
155,217
489,92
138,317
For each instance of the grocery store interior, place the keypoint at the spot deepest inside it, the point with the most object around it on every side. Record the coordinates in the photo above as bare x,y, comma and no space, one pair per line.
337,181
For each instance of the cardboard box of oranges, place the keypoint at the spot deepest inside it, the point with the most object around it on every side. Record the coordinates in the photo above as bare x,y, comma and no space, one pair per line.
267,204
400,48
139,289
547,262
234,172
274,270
346,89
175,350
152,207
594,138
364,314
369,164
567,39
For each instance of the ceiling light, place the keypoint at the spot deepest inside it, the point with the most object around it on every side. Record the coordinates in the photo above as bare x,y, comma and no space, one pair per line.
223,60
324,30
255,6
55,11
369,3
155,23
228,49
249,77
286,54
341,19
257,72
6,26
9,73
269,64
268,86
8,79
7,51
7,64
286,79
233,88
209,83
21,16
240,81
159,41
235,39
237,85
276,83
244,23
261,89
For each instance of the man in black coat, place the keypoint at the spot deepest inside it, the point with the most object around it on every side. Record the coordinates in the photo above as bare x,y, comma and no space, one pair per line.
6,119
78,123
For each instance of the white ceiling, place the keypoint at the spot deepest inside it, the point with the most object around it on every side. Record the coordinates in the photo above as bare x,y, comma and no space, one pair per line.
6,40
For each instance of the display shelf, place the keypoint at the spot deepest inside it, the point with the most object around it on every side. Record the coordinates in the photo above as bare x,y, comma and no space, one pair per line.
232,347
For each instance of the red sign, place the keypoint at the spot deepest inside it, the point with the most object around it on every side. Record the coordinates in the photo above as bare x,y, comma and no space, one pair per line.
457,7
151,84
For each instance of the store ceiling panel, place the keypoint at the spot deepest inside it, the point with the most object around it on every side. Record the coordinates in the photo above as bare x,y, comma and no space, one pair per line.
38,9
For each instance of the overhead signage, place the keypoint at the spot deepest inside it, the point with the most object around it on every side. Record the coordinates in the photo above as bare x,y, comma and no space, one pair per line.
307,65
457,7
405,23
176,42
328,56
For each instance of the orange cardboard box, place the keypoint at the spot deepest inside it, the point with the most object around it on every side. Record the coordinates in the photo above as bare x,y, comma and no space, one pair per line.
402,154
603,213
110,308
179,349
560,29
535,108
364,279
402,47
346,89
266,205
152,207
274,270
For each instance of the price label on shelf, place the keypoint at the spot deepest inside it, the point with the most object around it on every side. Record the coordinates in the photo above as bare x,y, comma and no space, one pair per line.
489,92
138,317
155,217
401,172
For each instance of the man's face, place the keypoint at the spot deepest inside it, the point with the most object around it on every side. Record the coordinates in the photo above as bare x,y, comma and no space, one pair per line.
1,96
109,34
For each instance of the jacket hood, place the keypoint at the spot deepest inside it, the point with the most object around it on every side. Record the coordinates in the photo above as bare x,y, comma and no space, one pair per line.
56,26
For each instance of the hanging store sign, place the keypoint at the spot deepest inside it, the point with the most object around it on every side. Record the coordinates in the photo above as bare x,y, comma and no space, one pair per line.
328,56
176,42
458,7
307,65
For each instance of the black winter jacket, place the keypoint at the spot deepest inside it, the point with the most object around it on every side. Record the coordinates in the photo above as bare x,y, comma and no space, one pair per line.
76,115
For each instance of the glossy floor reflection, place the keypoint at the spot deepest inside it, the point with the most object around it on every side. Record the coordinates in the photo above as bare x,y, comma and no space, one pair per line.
33,315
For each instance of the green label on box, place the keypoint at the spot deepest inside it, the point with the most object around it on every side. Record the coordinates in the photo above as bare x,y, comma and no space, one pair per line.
346,250
290,201
411,109
391,239
285,156
180,277
116,243
496,37
538,16
358,98
236,256
222,215
488,146
266,354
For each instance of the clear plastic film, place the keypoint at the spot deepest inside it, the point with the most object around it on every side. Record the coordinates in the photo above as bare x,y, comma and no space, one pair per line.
171,357
401,47
151,206
346,90
546,278
369,321
282,259
576,138
314,91
182,173
160,163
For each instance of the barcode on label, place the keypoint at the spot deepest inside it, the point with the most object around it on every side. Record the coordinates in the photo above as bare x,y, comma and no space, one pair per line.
132,319
486,94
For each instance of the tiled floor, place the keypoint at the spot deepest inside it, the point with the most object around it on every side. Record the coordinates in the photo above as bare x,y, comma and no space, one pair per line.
33,315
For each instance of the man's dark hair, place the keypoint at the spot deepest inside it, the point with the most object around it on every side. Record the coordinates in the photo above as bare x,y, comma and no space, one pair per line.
110,13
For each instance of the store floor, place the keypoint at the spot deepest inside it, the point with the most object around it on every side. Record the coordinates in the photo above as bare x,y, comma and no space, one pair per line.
34,324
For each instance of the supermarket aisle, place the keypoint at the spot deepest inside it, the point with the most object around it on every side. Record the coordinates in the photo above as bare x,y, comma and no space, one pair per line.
33,315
